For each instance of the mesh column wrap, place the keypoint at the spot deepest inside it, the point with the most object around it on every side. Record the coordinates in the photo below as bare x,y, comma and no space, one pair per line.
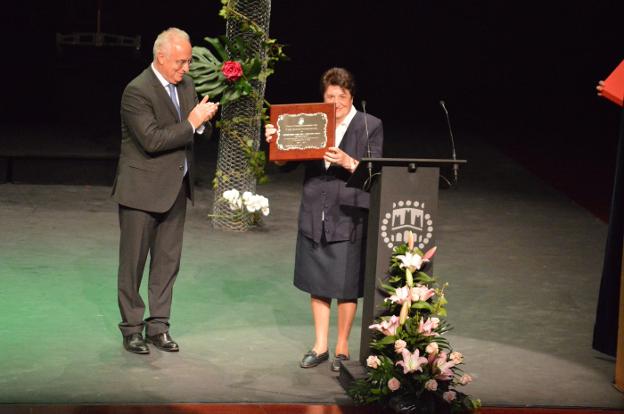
245,113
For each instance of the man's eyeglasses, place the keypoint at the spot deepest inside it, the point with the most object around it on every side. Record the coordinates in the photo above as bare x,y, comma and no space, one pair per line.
182,62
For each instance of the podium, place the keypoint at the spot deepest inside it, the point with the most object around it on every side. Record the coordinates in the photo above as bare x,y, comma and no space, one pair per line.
403,198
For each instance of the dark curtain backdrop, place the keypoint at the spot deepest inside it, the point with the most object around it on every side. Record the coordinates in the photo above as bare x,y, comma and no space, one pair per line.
606,327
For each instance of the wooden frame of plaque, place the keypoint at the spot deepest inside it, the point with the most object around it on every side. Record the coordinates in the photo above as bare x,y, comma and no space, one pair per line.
304,131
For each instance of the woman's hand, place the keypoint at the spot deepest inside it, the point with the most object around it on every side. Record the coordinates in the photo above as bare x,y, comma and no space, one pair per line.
269,132
335,155
600,87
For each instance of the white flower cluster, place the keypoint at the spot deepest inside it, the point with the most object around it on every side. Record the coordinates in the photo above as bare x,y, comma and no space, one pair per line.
253,203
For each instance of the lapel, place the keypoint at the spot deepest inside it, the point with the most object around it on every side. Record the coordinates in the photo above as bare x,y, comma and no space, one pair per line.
183,91
163,95
349,141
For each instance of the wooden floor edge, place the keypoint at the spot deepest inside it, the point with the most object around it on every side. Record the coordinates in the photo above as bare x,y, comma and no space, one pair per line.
254,408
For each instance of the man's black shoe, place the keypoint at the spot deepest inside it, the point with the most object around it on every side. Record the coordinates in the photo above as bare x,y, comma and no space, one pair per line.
134,343
164,342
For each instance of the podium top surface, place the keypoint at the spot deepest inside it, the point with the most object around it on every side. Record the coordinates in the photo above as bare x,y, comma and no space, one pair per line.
361,174
429,162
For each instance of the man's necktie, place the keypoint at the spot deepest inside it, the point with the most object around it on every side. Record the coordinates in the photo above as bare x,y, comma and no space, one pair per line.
174,98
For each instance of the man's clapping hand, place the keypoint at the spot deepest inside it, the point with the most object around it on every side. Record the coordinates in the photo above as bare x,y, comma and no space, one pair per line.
203,112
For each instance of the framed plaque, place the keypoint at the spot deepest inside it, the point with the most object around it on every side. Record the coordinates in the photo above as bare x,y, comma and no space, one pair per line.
304,131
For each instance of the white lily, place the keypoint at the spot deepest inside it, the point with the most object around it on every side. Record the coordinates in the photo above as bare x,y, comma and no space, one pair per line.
410,261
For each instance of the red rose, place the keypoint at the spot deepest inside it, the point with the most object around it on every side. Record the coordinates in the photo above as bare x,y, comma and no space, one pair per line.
232,70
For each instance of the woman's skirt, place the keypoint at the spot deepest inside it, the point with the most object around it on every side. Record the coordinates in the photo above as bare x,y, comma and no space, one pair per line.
330,270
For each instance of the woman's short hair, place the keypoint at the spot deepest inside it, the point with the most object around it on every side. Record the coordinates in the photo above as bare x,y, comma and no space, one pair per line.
164,39
338,77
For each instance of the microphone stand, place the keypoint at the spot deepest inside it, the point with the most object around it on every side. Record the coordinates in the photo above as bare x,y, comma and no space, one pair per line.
369,164
454,155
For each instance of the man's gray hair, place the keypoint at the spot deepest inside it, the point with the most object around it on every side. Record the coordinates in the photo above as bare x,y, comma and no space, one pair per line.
164,39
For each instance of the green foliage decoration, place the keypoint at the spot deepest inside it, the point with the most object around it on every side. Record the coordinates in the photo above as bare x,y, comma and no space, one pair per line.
227,70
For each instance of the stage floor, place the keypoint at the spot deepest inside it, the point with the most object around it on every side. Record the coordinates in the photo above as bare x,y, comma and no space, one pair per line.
522,260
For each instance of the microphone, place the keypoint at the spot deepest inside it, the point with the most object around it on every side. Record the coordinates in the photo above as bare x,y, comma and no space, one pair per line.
448,122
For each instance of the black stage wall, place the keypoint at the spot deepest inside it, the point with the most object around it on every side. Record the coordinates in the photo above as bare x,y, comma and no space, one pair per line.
512,65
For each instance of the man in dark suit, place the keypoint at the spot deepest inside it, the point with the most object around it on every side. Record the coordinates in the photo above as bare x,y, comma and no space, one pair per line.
160,114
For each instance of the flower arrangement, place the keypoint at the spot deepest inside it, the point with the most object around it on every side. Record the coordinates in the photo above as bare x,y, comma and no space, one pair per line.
250,205
413,367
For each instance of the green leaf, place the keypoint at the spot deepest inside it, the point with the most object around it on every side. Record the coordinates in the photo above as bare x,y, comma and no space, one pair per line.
243,87
252,69
387,340
442,300
218,47
262,77
395,279
215,84
234,95
424,278
422,305
206,74
229,95
211,92
204,55
217,91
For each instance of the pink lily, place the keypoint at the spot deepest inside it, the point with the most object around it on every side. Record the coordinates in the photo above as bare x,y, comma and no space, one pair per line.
426,327
429,254
442,367
388,326
421,292
412,362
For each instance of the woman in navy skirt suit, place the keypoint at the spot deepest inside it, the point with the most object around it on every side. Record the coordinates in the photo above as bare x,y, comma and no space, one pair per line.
331,240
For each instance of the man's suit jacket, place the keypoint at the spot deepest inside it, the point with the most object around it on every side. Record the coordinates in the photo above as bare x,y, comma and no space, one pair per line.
154,144
325,191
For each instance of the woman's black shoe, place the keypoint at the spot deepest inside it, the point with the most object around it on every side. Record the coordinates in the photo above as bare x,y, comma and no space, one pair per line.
312,359
337,362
